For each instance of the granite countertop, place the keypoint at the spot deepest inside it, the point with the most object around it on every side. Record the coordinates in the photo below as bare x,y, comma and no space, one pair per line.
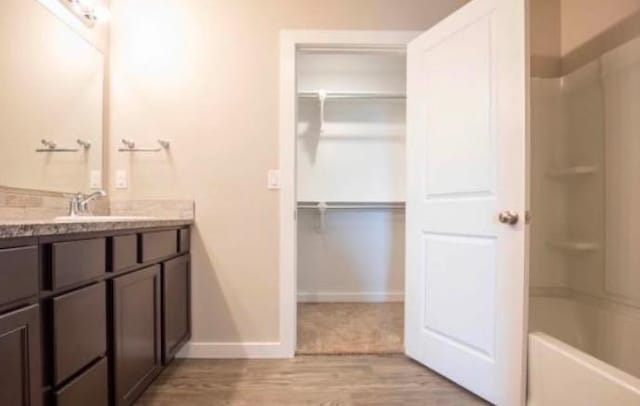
33,228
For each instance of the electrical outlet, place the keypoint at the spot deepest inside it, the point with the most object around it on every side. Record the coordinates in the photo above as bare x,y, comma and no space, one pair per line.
122,182
95,179
273,179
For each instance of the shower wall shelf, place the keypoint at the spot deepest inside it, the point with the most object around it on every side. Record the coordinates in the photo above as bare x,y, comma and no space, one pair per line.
572,172
575,246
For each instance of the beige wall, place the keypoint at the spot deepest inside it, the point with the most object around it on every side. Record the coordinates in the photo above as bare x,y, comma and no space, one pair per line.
545,47
545,27
566,34
583,20
204,75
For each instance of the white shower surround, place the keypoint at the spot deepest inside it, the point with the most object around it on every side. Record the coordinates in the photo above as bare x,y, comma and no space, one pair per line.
585,306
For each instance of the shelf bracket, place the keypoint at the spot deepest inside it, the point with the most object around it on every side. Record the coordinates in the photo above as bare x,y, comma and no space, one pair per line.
322,215
322,97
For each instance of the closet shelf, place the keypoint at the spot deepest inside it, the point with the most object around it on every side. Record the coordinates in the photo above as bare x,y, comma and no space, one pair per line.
338,136
353,95
323,207
575,246
351,205
323,95
572,172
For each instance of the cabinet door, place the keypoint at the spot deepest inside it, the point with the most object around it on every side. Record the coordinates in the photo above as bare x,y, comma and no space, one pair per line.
175,306
20,376
136,333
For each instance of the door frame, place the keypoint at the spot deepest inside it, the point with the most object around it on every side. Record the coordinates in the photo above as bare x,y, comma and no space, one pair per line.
290,42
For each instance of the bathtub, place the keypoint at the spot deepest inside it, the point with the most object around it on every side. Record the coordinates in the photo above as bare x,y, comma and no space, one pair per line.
566,333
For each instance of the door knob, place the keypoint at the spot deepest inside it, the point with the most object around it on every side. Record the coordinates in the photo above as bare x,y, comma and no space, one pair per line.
508,217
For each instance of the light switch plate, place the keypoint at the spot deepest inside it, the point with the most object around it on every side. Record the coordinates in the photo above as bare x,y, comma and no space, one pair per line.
122,182
273,179
95,179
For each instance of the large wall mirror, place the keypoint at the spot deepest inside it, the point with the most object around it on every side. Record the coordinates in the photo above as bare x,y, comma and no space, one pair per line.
51,95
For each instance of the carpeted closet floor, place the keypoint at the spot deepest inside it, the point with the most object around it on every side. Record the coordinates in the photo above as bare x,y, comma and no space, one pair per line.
350,328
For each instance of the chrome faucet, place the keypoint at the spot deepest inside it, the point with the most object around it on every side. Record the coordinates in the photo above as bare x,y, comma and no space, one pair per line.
79,204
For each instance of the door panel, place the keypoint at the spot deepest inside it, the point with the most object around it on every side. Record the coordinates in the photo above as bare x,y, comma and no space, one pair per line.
460,310
20,382
466,132
176,306
136,333
465,272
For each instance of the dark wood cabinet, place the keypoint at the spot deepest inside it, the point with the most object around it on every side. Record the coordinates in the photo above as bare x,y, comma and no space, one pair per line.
91,318
137,357
176,306
20,377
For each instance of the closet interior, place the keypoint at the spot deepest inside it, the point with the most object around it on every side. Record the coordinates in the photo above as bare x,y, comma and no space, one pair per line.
350,167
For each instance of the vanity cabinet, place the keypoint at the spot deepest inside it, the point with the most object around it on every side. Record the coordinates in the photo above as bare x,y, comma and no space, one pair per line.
137,357
91,318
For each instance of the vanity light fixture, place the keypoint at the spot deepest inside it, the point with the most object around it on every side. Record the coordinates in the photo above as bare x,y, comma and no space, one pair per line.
87,11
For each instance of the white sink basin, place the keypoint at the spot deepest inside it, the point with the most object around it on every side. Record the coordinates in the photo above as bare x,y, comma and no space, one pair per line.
86,219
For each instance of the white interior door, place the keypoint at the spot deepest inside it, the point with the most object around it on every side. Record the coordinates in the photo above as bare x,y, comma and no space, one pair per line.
467,131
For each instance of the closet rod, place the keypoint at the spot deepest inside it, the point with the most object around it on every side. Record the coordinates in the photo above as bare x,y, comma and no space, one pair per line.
353,95
400,50
355,205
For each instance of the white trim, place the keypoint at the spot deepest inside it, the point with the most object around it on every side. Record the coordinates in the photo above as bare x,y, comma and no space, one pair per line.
350,297
212,350
289,42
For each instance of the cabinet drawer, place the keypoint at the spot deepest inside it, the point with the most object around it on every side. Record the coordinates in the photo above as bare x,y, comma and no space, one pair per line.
184,240
80,330
18,274
90,388
158,244
77,261
176,306
124,252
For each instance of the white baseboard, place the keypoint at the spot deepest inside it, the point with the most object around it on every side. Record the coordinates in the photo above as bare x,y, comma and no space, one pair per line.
335,297
213,350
